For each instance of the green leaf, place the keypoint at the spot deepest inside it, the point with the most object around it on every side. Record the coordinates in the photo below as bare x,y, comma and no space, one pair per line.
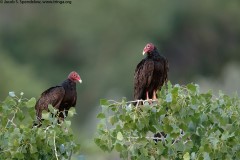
33,149
193,155
129,107
32,113
144,151
18,155
226,135
206,156
186,156
45,114
98,141
169,84
118,147
113,120
72,112
101,116
214,141
9,103
152,158
104,102
119,136
175,92
31,103
62,148
68,123
192,88
169,97
16,131
20,115
52,109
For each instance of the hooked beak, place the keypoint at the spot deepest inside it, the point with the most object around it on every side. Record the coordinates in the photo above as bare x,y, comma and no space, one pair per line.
80,81
143,52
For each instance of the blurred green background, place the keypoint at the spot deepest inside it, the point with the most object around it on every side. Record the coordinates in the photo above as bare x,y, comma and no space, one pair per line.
103,41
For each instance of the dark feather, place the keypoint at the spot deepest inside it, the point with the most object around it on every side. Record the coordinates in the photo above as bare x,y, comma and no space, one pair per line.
53,96
142,78
70,98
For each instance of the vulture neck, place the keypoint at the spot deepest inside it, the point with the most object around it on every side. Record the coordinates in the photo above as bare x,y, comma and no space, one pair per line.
153,54
69,84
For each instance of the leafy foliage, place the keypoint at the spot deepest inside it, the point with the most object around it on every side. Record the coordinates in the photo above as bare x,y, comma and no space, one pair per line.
198,126
19,139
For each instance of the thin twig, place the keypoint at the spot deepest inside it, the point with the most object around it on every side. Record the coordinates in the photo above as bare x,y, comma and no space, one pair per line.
7,150
162,139
137,103
11,120
54,143
46,129
128,102
146,138
69,158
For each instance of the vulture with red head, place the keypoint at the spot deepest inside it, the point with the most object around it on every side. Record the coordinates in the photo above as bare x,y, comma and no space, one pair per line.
61,97
150,74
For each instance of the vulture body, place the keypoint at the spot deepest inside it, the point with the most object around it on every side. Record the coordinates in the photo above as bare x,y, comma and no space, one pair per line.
150,74
61,97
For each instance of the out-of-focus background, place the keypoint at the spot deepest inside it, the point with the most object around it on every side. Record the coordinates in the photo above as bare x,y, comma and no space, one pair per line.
103,42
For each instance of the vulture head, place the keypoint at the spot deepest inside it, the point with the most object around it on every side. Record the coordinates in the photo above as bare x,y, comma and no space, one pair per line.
74,76
149,48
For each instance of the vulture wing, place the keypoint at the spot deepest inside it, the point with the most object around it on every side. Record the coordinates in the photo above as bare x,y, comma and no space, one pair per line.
142,78
161,74
53,96
166,69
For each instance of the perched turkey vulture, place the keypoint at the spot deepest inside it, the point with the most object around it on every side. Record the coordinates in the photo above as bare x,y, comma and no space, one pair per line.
150,74
61,97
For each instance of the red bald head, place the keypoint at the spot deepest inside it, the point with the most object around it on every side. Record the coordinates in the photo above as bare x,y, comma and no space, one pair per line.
148,48
74,76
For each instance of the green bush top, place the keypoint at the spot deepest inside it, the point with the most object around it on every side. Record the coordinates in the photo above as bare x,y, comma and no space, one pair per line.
197,126
19,139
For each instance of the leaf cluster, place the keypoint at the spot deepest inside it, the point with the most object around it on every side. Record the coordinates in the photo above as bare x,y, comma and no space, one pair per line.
20,139
197,126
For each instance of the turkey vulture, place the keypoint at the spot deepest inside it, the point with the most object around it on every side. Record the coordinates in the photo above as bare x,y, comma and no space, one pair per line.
150,74
61,97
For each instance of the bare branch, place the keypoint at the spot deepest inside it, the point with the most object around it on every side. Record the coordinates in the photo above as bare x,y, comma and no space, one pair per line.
54,143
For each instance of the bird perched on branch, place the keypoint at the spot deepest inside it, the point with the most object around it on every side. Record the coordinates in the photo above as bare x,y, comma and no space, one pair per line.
61,97
150,74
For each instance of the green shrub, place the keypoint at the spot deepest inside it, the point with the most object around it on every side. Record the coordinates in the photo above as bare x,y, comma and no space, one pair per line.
19,139
210,126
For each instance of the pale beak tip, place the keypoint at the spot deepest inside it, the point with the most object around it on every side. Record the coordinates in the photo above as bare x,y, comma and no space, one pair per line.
143,53
80,81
